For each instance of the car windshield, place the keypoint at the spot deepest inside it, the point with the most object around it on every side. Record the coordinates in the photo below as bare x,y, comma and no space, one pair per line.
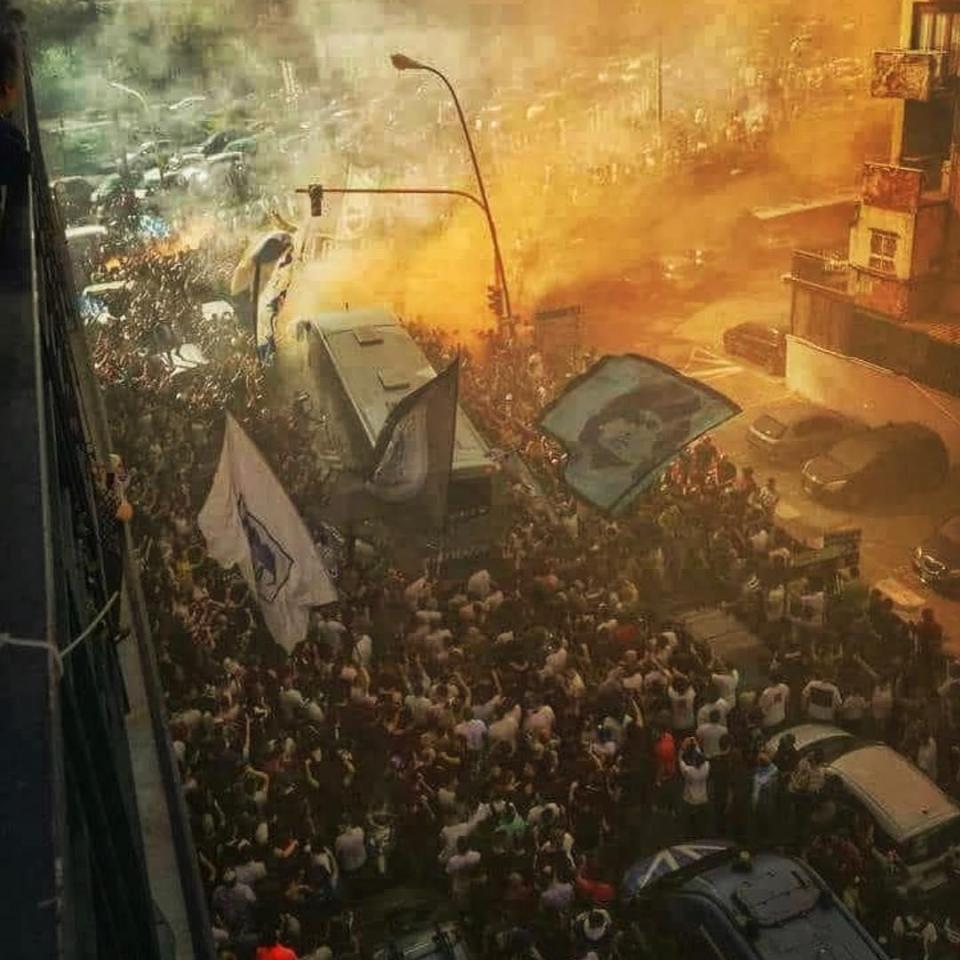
931,844
770,427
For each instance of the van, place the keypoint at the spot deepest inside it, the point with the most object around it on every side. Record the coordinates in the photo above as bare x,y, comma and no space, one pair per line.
912,816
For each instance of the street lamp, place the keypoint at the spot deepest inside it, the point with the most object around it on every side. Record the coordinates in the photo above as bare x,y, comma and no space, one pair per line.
401,62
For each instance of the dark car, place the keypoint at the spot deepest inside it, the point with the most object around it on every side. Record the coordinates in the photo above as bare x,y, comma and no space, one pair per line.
735,906
759,343
937,559
886,463
795,432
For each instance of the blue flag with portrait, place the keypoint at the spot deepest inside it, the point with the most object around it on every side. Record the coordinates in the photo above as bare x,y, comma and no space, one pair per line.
623,421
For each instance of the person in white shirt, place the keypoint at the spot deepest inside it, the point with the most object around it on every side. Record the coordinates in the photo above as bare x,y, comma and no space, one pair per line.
725,681
695,769
716,706
461,868
351,849
682,697
773,704
540,722
821,698
926,758
853,710
474,733
710,735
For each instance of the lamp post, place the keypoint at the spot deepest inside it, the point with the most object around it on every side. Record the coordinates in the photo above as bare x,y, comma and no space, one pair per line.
402,62
151,119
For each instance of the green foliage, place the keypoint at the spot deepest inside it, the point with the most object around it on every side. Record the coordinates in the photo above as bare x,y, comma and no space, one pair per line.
56,75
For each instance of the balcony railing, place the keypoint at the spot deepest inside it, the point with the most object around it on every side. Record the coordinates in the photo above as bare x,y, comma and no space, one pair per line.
911,74
825,269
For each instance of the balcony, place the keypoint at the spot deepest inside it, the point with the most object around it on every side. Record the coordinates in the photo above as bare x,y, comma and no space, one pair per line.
911,74
822,269
892,187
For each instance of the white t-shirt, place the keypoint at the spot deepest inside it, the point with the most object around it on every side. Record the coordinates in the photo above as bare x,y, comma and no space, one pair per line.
681,707
853,708
726,685
419,708
822,699
478,586
695,782
721,706
473,732
351,849
709,735
541,721
773,704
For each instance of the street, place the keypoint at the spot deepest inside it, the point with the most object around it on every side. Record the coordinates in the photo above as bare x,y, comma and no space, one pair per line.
690,342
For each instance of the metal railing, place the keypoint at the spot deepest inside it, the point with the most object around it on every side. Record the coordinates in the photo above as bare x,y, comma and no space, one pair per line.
825,269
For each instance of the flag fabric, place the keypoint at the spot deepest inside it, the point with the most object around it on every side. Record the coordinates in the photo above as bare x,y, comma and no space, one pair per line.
249,521
413,455
623,421
648,871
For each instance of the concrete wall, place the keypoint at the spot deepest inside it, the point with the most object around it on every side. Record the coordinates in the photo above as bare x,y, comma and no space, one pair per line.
892,221
874,394
929,239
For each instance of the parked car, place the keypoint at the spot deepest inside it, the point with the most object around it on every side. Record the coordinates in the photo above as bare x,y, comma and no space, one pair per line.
885,463
443,942
937,559
912,816
215,143
216,173
795,432
242,145
759,343
731,905
149,154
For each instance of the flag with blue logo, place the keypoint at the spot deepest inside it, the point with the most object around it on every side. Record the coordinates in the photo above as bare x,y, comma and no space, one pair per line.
249,521
623,421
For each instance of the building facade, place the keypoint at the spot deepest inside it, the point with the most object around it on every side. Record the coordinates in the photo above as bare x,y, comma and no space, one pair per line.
892,299
78,834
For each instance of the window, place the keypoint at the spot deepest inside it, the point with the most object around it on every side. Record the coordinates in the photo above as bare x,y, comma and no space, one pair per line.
883,251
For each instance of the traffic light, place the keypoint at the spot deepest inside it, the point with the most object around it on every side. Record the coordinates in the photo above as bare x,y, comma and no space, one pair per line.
316,200
495,300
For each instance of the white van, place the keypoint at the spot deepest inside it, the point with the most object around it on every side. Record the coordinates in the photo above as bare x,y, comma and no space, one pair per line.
911,814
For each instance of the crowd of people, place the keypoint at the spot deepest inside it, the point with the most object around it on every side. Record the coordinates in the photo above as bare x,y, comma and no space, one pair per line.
516,738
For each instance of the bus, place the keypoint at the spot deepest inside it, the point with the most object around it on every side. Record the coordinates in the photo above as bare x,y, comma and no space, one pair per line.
363,363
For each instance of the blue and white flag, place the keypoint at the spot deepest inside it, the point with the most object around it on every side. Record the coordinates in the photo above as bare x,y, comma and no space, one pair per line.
623,421
249,521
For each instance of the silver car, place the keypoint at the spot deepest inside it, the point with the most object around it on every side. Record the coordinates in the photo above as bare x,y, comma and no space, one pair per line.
795,432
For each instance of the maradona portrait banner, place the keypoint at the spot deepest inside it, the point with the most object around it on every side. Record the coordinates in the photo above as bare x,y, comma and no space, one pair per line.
623,421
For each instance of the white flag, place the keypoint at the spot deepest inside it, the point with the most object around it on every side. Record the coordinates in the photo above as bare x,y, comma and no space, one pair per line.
248,520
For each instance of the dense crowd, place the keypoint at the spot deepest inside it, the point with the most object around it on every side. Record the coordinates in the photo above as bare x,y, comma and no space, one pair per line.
516,738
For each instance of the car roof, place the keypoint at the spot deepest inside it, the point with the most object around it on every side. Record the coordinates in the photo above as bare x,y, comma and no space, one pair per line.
753,325
789,908
888,436
808,735
88,230
903,800
793,411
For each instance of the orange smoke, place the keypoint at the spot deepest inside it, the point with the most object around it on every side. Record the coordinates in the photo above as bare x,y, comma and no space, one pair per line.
566,238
